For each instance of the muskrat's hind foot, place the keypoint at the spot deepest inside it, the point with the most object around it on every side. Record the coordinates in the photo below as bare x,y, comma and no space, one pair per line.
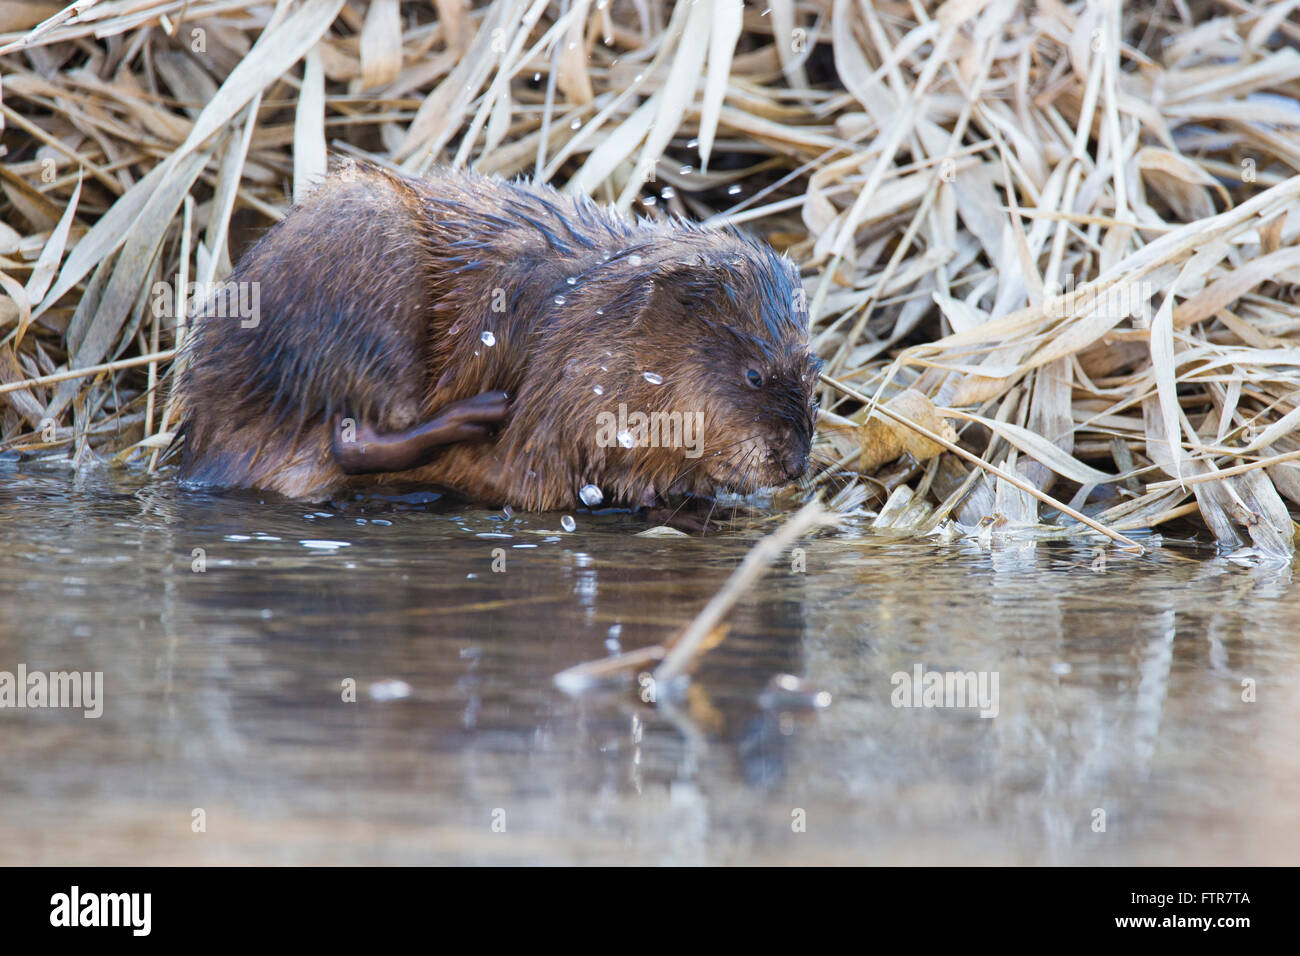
359,449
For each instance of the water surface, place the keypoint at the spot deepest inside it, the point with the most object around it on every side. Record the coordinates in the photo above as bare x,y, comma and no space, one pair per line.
1120,690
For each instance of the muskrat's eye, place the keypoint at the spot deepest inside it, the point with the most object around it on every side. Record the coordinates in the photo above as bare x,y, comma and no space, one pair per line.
755,379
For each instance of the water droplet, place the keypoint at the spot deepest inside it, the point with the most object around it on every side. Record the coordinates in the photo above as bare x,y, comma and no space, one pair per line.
600,311
598,390
668,192
648,201
591,495
572,280
575,124
654,378
318,545
733,190
693,144
488,339
537,77
567,523
560,300
787,692
626,440
685,170
634,260
638,78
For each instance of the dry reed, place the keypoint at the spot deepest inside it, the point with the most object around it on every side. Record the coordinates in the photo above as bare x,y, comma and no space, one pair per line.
1058,236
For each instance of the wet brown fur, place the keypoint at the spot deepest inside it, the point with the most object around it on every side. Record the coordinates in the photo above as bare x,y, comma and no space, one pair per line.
375,293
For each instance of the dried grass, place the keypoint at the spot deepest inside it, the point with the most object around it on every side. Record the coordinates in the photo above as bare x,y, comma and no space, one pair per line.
1062,232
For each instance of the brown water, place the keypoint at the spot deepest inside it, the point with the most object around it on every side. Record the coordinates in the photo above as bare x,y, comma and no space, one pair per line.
1120,689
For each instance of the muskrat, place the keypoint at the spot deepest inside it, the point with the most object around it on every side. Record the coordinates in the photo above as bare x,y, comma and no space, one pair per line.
504,341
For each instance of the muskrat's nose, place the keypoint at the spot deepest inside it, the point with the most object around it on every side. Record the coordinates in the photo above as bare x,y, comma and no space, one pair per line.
794,464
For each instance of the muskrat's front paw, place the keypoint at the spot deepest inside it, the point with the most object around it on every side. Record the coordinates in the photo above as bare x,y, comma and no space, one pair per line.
690,521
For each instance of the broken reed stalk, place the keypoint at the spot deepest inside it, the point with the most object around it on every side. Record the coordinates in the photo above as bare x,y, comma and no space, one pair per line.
1224,472
767,550
68,375
1128,544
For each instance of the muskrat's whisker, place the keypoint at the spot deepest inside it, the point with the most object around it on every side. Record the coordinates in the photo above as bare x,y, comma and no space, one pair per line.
751,462
747,461
713,504
685,472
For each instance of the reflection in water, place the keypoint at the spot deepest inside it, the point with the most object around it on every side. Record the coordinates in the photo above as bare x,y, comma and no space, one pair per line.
1120,692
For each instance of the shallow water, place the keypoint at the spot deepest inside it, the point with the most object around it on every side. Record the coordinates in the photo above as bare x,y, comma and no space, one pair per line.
1120,689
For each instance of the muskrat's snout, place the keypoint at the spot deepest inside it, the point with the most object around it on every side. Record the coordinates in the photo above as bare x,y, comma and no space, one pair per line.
791,454
788,460
762,461
794,464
